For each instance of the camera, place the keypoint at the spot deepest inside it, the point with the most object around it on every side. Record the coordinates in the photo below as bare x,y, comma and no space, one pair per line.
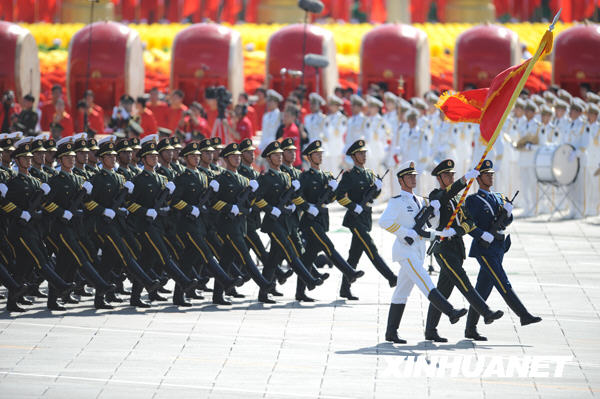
223,97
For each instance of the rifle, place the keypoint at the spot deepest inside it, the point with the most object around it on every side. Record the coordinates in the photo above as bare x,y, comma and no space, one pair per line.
33,206
285,199
370,194
422,218
498,224
159,203
242,203
324,197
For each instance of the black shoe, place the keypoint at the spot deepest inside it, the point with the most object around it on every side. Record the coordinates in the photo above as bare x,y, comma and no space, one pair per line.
323,276
355,276
35,291
530,319
220,301
393,337
153,296
233,293
123,291
489,318
474,335
348,295
113,297
304,298
456,315
69,299
163,290
194,295
283,276
274,292
12,306
264,298
182,302
441,303
55,306
138,303
434,336
100,303
81,291
24,301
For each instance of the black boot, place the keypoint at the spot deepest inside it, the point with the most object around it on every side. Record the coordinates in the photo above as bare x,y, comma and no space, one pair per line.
481,307
438,300
135,299
52,303
263,296
155,296
274,292
471,329
304,274
34,290
12,305
91,275
180,278
62,287
217,296
100,303
384,270
433,319
393,322
221,275
323,260
282,276
113,297
232,292
15,289
347,270
179,298
515,304
304,298
151,284
345,287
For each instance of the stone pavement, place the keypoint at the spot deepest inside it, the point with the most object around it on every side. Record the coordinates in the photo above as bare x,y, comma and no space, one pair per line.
329,349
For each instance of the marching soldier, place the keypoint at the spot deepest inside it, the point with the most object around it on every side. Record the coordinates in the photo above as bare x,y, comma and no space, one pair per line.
357,190
7,141
92,164
315,121
279,194
488,247
50,157
333,134
450,253
271,118
81,156
356,124
149,196
409,250
217,145
377,132
176,163
233,199
125,156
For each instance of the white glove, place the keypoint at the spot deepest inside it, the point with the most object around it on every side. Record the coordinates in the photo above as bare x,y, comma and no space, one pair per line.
411,233
165,209
235,210
25,216
3,189
275,212
313,210
171,186
45,188
509,207
214,185
67,215
487,237
296,184
291,207
358,209
88,187
151,213
435,204
109,213
447,233
195,211
473,173
253,184
333,184
123,210
378,184
129,186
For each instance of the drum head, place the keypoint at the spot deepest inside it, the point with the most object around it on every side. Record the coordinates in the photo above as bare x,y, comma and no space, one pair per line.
564,171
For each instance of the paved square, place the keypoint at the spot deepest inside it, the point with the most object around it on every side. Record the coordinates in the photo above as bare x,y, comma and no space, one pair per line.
329,349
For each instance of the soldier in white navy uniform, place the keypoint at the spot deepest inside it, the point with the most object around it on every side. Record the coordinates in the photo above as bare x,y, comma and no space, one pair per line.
399,219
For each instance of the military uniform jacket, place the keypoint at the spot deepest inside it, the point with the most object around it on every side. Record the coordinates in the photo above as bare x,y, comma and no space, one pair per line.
11,173
82,172
169,173
273,185
294,173
22,190
148,187
189,187
65,188
253,220
39,174
462,224
107,186
50,170
231,186
398,216
126,172
177,167
483,208
351,192
314,184
92,169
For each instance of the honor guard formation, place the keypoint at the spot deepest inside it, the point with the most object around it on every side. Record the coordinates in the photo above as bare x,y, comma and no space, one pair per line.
150,203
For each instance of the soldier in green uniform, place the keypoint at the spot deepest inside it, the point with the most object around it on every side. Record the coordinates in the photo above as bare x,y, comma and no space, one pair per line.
190,198
134,165
69,193
109,216
146,201
7,141
165,159
450,253
357,189
176,163
22,201
92,163
81,156
37,162
217,146
233,200
279,194
50,157
125,156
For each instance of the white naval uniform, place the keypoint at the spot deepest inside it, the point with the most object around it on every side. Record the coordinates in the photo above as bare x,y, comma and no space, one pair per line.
592,194
529,195
356,130
582,192
333,141
377,133
415,144
562,128
270,123
399,216
314,124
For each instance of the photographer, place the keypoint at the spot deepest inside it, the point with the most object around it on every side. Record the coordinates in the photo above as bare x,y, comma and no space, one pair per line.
121,114
241,127
28,118
193,124
8,109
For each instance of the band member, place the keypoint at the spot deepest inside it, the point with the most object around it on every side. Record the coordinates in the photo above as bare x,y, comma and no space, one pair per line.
488,247
409,251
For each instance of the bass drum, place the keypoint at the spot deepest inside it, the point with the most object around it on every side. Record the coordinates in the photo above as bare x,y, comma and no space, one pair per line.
552,164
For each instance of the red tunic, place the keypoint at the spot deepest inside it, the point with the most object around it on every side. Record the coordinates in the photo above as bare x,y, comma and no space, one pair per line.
160,110
244,128
293,132
259,108
211,117
67,124
48,111
96,119
148,122
174,116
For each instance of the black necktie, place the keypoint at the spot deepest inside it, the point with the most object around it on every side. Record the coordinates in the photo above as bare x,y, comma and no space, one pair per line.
416,202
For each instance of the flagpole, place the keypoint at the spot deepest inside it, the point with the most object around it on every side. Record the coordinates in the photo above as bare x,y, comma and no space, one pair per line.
513,99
